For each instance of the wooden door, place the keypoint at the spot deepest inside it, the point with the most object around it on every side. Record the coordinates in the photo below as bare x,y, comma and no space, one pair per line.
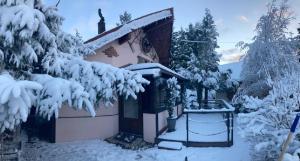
131,116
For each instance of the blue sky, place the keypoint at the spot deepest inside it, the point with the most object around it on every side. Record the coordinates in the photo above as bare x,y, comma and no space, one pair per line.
235,19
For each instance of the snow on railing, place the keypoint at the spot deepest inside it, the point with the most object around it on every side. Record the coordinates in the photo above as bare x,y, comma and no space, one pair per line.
226,108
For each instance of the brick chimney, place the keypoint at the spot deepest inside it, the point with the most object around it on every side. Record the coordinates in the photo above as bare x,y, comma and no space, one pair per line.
101,23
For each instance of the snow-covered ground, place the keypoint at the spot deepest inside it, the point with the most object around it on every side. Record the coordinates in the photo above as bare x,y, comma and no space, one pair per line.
98,150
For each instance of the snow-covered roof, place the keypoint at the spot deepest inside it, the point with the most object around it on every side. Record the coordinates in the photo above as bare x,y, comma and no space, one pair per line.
154,69
236,68
115,33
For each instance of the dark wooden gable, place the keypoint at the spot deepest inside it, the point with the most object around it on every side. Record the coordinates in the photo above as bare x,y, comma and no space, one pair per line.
160,34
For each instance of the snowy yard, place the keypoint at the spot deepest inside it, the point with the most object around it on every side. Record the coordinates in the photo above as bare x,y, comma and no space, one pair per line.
97,150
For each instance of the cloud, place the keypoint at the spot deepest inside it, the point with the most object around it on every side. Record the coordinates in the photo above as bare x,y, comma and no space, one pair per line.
243,18
230,55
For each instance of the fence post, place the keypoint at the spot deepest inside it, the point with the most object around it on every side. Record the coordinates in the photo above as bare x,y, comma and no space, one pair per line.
228,128
231,128
187,129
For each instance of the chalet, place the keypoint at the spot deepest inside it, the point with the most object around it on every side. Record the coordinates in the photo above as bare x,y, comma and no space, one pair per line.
141,45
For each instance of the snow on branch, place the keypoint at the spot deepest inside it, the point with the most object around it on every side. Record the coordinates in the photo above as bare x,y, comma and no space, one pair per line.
16,99
57,91
102,81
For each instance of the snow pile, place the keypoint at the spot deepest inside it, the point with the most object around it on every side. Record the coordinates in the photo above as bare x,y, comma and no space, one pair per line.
129,27
16,99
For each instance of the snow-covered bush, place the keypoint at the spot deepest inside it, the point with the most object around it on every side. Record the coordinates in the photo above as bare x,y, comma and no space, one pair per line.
269,122
227,84
190,99
211,80
47,65
246,104
272,53
173,92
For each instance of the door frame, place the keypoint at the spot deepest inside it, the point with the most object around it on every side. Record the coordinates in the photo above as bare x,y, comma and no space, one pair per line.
125,124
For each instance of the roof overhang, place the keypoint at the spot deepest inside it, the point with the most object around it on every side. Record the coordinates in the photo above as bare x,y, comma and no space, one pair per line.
154,69
120,31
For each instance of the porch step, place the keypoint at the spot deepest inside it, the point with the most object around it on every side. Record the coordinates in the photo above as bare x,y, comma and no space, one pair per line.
170,145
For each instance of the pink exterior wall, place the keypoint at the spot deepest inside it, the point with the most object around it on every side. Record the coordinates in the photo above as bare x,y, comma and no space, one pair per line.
180,110
149,123
149,127
162,120
78,125
127,54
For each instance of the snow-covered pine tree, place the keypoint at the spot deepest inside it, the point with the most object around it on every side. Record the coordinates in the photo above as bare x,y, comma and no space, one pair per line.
194,74
41,65
209,36
271,54
207,54
298,40
193,54
180,51
124,18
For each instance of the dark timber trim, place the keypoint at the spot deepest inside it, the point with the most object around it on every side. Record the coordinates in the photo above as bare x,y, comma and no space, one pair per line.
70,117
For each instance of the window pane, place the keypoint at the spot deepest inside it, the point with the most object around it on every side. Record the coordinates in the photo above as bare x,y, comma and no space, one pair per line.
131,108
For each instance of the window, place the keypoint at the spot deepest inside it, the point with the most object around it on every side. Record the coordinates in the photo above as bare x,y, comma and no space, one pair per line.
131,108
161,96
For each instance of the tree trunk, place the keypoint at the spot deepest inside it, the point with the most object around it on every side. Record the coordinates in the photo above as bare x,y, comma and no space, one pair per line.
199,94
206,96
